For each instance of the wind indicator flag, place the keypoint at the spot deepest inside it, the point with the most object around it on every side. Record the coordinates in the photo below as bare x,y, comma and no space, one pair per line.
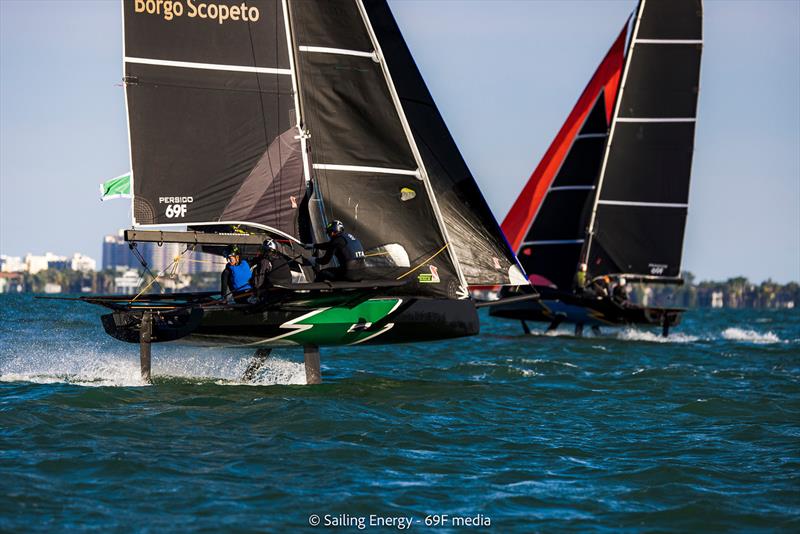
119,187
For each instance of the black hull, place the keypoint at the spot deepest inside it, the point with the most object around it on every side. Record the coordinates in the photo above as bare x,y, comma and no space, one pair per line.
568,308
376,321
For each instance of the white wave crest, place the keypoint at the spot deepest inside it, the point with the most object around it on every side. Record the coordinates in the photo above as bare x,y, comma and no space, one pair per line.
632,334
751,336
553,362
85,369
97,368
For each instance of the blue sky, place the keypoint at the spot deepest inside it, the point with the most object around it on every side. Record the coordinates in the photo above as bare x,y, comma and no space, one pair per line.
504,74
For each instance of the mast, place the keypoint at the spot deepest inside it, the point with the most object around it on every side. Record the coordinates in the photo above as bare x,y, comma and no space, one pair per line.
625,70
296,91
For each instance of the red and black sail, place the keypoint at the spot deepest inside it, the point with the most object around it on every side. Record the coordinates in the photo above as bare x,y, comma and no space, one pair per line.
547,223
612,189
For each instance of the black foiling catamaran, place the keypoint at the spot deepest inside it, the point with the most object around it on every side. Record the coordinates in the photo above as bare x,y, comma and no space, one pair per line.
612,190
273,124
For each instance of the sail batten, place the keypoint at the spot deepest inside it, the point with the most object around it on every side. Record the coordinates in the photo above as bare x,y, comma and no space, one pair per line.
206,66
342,51
361,168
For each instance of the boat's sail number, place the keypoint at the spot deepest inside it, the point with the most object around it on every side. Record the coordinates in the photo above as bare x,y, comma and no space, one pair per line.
176,206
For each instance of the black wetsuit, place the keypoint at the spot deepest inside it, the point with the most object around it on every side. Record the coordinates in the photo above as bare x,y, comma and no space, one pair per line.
619,295
270,270
348,252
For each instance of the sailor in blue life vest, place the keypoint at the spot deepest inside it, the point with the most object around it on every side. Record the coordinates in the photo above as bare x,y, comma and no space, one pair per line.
347,250
236,277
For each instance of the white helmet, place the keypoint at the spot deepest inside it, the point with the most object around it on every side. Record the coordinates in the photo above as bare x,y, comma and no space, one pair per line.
269,245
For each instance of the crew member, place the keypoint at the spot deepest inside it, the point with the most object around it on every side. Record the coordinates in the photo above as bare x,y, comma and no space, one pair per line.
600,287
271,267
580,279
348,252
620,292
236,277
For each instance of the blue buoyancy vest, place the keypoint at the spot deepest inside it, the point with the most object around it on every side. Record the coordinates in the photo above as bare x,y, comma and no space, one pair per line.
240,276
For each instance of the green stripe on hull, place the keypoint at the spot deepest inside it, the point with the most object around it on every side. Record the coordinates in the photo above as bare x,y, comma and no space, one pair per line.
340,325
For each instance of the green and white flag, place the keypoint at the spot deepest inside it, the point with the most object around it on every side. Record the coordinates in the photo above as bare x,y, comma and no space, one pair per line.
119,187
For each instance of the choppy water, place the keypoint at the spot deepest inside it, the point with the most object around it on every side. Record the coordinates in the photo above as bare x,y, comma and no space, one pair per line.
625,431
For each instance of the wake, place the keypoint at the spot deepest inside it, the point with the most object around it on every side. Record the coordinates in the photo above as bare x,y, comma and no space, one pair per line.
634,334
103,369
750,336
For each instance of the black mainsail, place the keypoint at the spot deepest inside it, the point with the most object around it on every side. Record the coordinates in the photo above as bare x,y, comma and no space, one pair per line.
362,157
210,106
639,210
298,114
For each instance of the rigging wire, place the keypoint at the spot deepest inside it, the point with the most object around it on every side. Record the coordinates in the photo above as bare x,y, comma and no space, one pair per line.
134,249
174,266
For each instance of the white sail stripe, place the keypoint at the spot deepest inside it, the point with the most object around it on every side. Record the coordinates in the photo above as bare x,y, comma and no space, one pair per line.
669,41
590,135
206,66
340,51
570,188
646,204
654,119
359,168
554,242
